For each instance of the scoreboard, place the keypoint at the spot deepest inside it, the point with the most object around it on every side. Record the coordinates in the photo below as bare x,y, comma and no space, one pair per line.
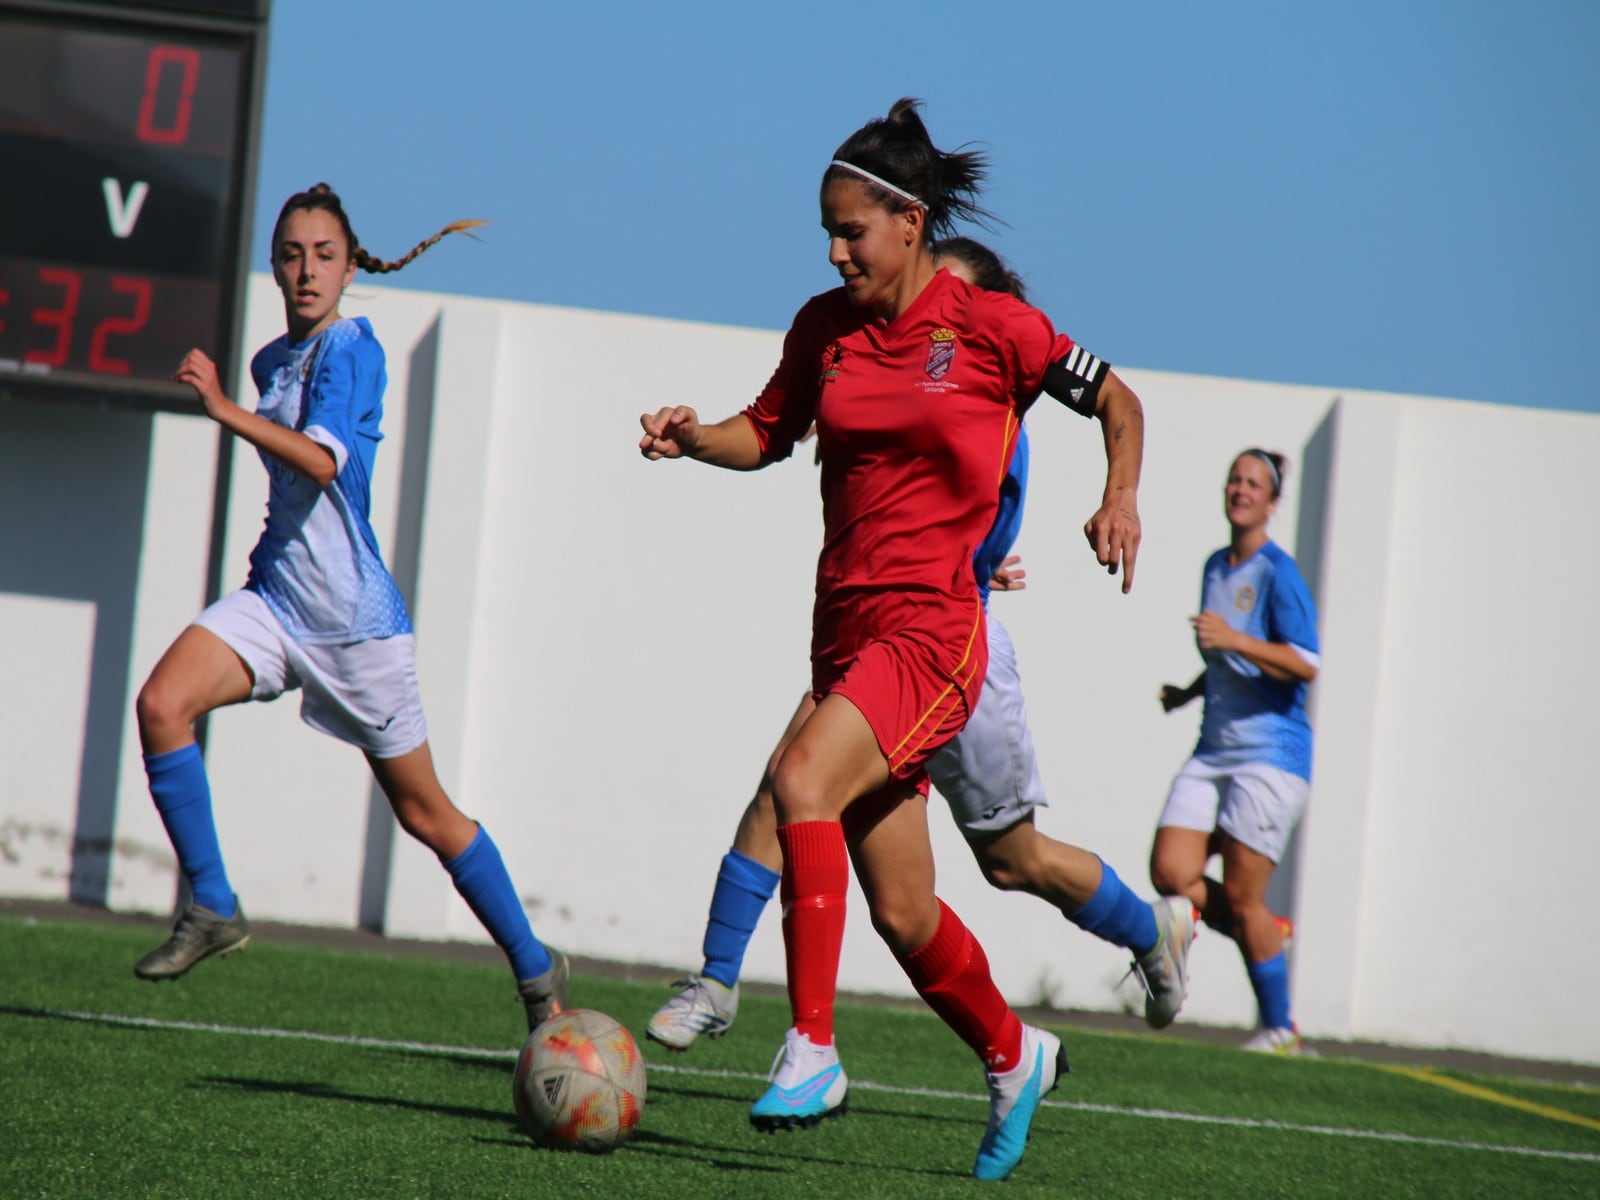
127,164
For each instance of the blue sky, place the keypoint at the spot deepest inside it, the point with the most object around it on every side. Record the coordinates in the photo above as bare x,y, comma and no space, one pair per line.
1392,196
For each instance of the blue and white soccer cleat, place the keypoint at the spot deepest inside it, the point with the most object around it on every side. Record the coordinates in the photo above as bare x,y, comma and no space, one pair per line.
1014,1097
808,1087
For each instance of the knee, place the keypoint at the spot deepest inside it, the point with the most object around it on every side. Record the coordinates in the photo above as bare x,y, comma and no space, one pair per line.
905,924
1174,869
1004,869
1166,876
797,794
160,709
422,818
1243,899
410,816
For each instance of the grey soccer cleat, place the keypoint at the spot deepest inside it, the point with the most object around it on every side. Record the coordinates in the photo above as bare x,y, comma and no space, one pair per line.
546,995
701,1006
198,934
1165,969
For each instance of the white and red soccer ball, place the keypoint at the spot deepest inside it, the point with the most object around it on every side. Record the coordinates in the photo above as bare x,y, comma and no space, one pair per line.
579,1083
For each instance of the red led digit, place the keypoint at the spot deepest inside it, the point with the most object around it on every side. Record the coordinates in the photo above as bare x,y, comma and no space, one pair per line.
187,60
71,284
140,290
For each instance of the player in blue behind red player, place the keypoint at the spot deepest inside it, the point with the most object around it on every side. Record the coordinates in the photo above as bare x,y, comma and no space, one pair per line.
917,384
319,612
1245,788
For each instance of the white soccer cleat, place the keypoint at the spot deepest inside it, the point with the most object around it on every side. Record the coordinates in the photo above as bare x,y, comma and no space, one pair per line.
1164,971
1014,1097
702,1006
1283,1042
808,1086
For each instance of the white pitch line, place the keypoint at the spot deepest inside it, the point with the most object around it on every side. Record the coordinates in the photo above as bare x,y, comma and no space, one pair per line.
1155,1114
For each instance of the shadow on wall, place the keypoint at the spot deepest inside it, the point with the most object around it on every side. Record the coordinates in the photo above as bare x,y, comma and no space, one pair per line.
1316,477
82,473
405,559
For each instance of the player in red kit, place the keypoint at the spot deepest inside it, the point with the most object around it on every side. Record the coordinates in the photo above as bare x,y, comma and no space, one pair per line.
917,383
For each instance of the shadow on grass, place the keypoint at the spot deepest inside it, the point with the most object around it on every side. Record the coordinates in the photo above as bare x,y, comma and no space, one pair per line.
776,1162
313,1090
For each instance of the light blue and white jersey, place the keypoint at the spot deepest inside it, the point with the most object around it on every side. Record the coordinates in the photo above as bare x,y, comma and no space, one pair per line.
1251,717
1007,525
317,565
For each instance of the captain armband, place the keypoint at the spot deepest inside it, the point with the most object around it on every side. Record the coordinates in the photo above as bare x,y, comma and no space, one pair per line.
1075,380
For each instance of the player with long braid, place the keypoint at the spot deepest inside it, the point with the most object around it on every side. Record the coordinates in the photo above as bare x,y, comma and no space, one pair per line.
988,774
917,384
319,612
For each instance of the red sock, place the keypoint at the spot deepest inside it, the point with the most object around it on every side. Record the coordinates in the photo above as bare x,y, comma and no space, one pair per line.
952,974
816,872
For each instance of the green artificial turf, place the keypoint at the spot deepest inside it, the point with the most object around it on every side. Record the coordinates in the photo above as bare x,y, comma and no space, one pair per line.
415,1100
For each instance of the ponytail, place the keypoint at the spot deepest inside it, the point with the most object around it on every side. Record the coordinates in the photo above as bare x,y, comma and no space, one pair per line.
897,151
321,197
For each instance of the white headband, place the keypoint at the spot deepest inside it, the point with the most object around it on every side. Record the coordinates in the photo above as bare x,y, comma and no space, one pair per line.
1277,480
871,178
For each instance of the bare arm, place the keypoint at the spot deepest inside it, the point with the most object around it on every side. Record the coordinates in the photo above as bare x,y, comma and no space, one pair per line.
1276,660
295,450
1114,532
677,433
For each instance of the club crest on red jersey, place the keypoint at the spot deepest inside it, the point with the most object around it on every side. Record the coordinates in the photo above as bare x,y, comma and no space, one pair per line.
941,353
831,357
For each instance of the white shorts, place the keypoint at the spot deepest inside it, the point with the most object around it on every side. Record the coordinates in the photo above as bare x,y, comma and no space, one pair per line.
364,693
988,773
1255,804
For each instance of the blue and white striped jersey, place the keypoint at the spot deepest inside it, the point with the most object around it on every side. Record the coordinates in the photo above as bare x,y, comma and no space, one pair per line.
317,565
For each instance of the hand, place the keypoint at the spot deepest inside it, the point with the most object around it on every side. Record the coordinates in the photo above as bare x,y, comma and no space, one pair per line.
1008,577
1173,696
1212,631
200,373
670,433
1114,533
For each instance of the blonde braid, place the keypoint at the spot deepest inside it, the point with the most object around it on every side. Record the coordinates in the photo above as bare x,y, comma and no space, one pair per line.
368,262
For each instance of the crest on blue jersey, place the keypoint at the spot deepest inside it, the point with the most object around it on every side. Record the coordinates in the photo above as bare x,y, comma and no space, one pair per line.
941,353
1245,598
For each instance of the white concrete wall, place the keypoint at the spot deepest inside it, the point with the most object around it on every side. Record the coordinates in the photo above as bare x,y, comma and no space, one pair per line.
608,649
1472,777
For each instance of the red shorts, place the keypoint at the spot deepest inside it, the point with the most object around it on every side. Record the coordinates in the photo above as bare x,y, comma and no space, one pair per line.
915,692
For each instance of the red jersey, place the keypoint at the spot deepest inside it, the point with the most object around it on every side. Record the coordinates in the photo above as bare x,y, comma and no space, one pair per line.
916,422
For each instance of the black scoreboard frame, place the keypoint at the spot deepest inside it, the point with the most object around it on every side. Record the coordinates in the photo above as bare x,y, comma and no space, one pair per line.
209,272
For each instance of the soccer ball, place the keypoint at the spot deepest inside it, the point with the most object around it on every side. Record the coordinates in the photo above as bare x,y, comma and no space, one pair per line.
579,1083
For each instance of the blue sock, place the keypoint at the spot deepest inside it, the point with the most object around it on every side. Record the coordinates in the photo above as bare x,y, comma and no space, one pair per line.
1116,914
743,888
182,793
1270,980
479,874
